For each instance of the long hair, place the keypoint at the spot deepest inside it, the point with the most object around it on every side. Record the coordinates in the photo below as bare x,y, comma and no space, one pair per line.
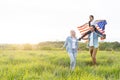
90,21
92,16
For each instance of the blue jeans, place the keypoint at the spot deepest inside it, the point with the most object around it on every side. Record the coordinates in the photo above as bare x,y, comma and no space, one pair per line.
72,56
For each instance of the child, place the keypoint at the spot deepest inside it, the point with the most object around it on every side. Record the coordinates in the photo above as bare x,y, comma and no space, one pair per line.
91,23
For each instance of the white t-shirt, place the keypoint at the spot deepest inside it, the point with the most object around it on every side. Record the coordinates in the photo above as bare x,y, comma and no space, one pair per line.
92,23
73,43
91,39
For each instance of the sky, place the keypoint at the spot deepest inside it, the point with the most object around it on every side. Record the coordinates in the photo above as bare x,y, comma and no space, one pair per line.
34,21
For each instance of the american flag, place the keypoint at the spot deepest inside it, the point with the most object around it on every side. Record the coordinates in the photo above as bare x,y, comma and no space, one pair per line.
84,28
99,24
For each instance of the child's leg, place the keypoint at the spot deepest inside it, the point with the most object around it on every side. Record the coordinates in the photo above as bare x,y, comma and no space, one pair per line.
98,32
85,35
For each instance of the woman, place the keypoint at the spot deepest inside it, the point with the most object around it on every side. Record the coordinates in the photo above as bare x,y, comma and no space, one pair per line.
71,45
93,43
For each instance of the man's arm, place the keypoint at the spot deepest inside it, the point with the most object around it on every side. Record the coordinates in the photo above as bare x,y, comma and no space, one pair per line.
103,36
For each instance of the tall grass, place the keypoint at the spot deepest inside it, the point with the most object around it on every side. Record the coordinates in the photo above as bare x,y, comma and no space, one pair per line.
54,65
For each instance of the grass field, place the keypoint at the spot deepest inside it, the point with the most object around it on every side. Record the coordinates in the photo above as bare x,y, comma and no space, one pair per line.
54,65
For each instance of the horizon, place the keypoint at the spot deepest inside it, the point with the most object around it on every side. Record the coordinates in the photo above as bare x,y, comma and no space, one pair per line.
28,21
53,42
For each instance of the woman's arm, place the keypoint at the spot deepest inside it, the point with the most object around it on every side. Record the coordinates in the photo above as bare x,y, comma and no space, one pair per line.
66,41
77,44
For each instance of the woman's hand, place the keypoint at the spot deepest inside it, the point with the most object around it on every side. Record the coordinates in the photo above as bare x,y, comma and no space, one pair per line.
79,39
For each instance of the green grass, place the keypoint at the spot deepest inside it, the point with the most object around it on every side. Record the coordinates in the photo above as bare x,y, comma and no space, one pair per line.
54,65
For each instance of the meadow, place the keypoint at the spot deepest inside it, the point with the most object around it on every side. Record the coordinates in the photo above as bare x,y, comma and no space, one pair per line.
54,65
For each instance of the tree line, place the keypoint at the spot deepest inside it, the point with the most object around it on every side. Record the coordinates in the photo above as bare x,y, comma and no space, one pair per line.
104,46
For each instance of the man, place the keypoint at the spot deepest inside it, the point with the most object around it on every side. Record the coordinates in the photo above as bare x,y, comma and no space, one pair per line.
71,45
93,42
